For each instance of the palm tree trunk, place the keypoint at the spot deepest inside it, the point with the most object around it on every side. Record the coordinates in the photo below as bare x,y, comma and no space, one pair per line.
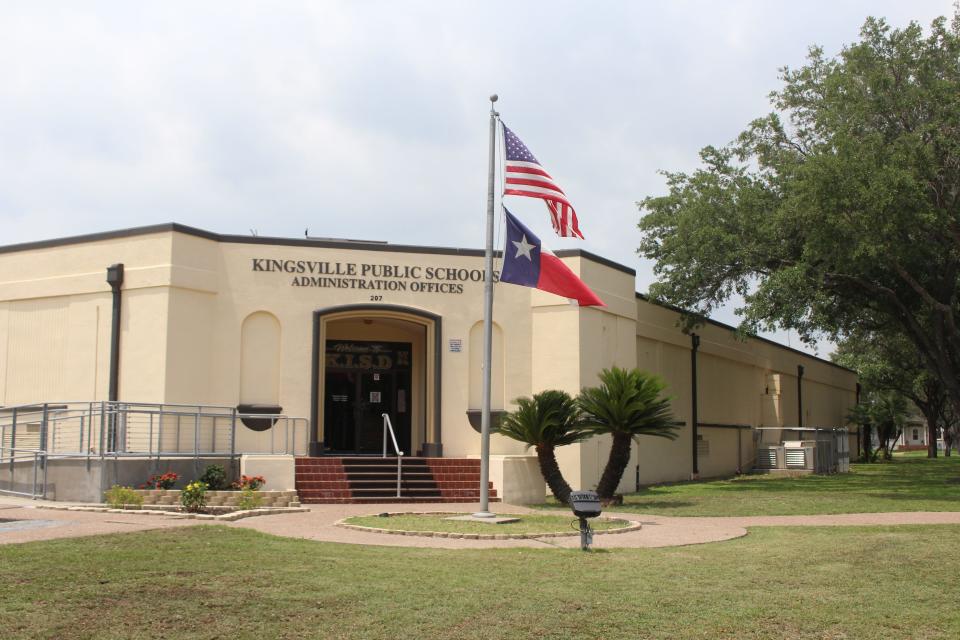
616,465
551,473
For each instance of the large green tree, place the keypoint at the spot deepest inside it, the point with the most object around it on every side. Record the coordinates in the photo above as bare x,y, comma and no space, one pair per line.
887,361
837,212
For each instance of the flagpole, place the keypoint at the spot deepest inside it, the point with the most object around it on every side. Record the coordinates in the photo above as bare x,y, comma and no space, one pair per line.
487,328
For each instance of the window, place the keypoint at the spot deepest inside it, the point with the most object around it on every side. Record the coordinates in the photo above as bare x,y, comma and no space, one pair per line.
916,434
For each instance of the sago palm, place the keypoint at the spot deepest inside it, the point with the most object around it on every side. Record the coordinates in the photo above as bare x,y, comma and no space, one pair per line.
626,405
549,420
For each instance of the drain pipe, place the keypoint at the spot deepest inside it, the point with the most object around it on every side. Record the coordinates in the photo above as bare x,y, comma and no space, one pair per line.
115,280
859,428
800,398
694,346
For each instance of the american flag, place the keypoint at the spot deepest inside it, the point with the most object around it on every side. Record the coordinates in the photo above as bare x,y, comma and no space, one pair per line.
524,176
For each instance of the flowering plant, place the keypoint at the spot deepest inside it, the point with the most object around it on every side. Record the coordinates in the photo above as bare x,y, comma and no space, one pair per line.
121,497
249,482
249,499
194,496
161,481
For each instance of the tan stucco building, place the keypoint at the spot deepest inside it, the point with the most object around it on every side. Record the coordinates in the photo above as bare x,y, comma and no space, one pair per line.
338,332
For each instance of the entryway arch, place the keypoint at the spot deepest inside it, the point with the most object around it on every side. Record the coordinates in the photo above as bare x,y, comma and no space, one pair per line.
358,360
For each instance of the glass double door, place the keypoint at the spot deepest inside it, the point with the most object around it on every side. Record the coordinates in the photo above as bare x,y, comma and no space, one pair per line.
355,400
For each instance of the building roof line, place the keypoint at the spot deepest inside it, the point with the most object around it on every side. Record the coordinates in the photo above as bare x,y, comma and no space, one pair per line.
724,325
288,242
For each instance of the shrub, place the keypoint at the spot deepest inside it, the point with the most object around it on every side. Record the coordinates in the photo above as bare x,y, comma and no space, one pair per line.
120,497
249,482
249,499
215,477
194,496
161,481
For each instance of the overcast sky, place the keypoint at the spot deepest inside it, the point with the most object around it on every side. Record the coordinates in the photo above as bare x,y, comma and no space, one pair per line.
369,119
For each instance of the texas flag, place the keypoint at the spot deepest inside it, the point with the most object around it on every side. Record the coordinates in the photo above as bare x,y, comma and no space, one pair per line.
527,263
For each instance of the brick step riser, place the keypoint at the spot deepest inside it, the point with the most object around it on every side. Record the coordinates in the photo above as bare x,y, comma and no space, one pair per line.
390,482
440,500
439,485
313,477
385,462
310,494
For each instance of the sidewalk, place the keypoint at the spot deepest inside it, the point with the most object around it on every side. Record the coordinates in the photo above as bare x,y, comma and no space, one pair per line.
30,523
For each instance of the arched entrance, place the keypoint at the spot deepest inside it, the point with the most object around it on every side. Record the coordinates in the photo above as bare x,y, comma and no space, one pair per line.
369,360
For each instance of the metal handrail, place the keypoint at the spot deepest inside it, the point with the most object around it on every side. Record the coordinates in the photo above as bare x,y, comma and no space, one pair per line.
388,427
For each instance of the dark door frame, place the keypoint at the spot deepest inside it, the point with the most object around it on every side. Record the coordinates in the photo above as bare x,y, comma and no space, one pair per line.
433,449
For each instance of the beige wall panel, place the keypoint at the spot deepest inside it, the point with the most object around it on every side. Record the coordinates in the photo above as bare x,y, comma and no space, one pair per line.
88,356
38,339
661,460
606,340
788,399
556,365
824,405
728,391
78,268
475,375
260,363
615,287
189,366
648,355
4,321
143,345
718,458
54,352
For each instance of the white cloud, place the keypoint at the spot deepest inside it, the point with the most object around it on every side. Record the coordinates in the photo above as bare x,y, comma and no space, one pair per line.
368,119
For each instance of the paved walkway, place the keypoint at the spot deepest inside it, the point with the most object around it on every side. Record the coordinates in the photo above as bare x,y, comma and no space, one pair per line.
22,521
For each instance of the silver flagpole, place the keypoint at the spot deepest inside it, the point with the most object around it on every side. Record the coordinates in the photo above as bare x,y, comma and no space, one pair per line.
487,330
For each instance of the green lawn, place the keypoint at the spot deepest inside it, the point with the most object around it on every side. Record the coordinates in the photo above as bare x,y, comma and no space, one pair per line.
528,523
220,582
905,484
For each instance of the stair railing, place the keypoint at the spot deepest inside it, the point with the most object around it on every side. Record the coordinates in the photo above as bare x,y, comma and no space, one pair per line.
388,428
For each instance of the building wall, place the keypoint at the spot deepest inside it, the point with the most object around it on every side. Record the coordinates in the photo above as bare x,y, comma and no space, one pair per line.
747,382
186,298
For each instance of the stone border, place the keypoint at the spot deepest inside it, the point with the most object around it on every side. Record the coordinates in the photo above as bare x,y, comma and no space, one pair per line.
632,526
226,517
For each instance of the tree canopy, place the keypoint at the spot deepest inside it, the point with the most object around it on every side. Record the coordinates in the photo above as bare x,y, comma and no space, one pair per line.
838,212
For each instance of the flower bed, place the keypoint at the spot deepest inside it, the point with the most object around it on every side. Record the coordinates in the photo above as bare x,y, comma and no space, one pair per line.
219,499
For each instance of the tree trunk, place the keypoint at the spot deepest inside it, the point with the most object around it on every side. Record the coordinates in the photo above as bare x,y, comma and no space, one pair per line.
867,442
931,435
616,465
550,470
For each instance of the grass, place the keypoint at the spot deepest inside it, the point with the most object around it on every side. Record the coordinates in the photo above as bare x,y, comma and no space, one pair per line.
905,484
220,582
532,523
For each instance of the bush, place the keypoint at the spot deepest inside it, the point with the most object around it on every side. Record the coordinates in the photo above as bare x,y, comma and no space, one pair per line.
161,481
215,477
249,482
120,497
249,499
194,496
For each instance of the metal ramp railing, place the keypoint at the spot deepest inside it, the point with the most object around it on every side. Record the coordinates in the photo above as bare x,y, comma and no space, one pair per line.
34,434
